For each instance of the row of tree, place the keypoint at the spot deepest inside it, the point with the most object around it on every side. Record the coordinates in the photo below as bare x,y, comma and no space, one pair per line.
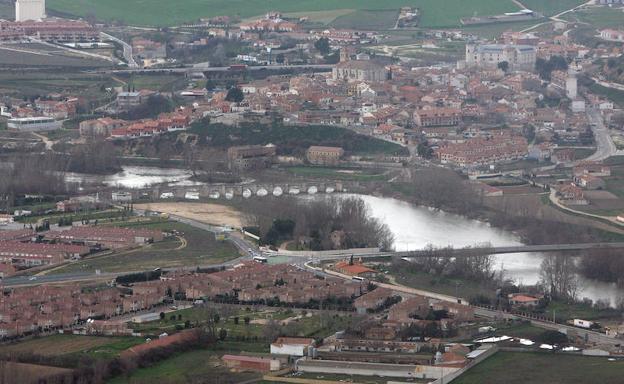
314,221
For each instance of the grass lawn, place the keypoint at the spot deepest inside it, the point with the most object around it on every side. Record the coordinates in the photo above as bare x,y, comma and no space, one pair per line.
62,134
194,247
161,12
615,182
582,153
444,285
309,325
579,311
156,82
520,368
522,330
202,365
57,345
338,174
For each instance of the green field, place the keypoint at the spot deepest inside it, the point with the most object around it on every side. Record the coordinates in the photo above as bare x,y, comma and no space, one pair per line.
295,140
365,19
435,13
59,345
301,324
198,366
598,17
551,7
193,247
35,83
521,368
612,94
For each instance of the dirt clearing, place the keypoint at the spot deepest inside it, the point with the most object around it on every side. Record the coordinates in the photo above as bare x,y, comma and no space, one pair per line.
215,214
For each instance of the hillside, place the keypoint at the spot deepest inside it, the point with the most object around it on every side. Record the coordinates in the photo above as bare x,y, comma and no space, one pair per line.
294,140
435,13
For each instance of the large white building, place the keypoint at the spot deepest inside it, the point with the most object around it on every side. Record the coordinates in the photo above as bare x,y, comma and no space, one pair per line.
519,57
34,124
29,10
359,70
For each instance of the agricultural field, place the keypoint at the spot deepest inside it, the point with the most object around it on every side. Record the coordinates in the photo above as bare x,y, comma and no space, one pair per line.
167,13
551,7
156,82
190,248
36,83
598,17
61,345
491,31
38,55
367,19
196,366
516,368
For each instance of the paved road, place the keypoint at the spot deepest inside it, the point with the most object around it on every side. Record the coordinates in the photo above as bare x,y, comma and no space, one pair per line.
592,337
126,47
509,250
605,147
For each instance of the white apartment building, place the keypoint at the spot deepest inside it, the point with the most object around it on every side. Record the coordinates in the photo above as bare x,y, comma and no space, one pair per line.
30,10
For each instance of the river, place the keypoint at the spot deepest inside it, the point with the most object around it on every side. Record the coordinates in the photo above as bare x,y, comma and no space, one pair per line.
414,227
135,177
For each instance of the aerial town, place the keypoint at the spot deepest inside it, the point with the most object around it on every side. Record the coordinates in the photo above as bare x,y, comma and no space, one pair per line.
303,192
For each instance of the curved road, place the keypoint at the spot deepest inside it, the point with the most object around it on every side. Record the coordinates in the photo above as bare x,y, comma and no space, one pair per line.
126,47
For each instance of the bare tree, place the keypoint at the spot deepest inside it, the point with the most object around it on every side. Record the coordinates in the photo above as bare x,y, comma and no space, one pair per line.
271,330
558,276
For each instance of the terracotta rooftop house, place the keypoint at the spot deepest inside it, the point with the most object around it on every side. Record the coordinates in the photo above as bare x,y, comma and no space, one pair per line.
251,363
356,269
33,254
18,234
519,299
112,237
182,337
372,300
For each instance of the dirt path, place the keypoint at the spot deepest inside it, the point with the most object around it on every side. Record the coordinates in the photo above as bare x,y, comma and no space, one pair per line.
214,214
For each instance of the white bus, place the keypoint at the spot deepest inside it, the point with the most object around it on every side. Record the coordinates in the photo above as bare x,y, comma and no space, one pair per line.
260,259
